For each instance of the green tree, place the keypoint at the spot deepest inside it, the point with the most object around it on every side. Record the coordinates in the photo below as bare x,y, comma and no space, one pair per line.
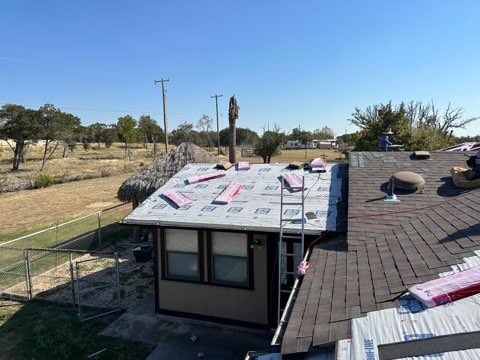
68,132
244,136
204,124
51,125
269,144
185,133
127,132
149,131
416,126
374,120
99,132
305,137
110,135
96,132
20,125
324,133
295,134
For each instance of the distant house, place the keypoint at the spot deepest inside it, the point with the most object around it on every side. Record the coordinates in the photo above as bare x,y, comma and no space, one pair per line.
327,144
219,262
297,144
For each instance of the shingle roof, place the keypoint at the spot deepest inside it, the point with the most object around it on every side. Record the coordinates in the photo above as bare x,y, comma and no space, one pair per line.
389,246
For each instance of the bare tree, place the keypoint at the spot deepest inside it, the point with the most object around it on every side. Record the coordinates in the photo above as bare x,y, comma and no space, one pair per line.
423,115
204,124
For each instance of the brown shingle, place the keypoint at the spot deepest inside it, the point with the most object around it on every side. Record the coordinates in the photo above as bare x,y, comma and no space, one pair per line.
390,246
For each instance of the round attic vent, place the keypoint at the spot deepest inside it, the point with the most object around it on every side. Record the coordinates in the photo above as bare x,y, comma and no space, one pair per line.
407,180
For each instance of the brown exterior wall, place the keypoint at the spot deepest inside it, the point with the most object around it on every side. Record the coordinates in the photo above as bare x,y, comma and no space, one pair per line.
219,301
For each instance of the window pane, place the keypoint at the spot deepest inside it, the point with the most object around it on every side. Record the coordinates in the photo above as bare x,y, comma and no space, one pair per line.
183,266
181,240
233,244
230,270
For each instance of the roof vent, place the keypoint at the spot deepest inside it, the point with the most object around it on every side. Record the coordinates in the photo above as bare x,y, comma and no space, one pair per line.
408,180
421,155
391,191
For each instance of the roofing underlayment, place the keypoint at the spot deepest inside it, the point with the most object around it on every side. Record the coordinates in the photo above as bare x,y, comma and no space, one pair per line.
255,208
449,331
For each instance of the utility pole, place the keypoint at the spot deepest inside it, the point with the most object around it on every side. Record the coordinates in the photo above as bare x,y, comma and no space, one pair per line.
164,110
218,130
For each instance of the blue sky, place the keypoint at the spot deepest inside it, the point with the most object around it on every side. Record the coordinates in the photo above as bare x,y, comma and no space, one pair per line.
307,63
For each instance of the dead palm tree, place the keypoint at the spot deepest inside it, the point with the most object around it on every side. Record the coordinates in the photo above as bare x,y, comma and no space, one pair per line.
232,118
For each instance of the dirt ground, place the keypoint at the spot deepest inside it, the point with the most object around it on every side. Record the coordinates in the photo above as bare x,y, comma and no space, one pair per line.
136,279
31,209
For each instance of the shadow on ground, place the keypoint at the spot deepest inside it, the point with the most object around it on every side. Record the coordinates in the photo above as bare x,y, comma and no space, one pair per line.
38,330
172,335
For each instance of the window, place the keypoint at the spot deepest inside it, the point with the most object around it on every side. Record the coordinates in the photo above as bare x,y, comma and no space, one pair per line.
181,254
229,259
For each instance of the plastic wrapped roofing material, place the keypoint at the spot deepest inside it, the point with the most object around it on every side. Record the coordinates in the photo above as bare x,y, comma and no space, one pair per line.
293,181
204,177
243,165
448,288
177,197
229,193
318,165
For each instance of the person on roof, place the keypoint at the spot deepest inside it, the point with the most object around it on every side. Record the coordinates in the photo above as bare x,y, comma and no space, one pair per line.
474,162
385,140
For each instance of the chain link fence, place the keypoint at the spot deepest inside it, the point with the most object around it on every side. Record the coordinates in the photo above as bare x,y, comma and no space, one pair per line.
73,262
90,232
13,273
89,281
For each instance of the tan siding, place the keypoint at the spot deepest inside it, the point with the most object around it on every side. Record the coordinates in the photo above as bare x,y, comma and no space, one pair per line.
218,301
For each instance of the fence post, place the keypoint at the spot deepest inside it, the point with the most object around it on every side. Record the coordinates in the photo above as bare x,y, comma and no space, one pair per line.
72,279
99,229
77,271
56,232
28,280
117,279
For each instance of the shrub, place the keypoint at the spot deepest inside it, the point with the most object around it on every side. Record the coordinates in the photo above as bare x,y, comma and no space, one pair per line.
43,180
105,171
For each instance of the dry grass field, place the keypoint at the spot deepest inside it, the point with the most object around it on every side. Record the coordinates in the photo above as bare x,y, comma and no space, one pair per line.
78,165
287,156
29,210
105,170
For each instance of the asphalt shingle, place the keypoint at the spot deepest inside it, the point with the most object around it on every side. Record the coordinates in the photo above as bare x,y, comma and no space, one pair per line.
389,246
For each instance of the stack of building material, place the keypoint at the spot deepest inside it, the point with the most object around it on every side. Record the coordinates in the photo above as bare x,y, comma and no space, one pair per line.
177,197
229,193
293,181
318,165
204,177
243,165
448,288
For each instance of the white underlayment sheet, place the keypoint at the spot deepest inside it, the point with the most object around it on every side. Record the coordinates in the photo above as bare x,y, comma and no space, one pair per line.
257,206
412,321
